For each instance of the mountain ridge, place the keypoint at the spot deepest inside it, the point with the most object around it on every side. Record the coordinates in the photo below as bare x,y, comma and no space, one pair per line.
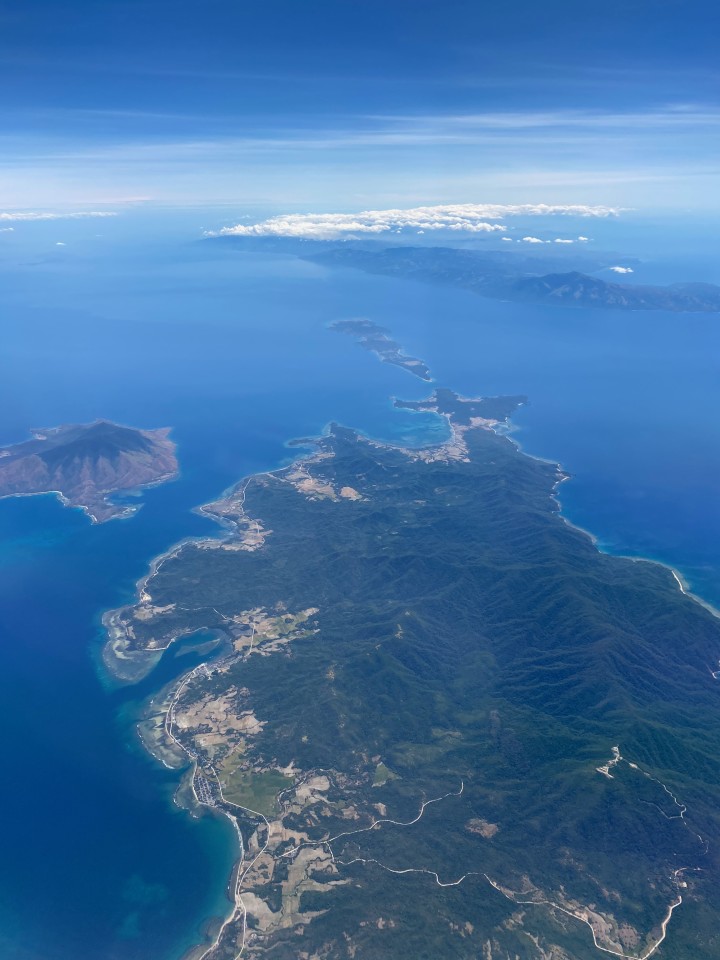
516,276
86,464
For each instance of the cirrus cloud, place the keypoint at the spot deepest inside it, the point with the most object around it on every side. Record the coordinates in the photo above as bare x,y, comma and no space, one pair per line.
30,216
462,217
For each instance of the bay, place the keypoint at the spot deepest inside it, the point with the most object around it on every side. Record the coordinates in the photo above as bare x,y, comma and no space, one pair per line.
234,353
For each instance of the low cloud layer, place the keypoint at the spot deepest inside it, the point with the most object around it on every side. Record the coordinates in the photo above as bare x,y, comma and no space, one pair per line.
31,216
465,218
556,240
622,269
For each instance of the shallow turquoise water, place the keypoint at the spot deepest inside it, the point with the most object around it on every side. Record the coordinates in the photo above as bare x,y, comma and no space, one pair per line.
233,352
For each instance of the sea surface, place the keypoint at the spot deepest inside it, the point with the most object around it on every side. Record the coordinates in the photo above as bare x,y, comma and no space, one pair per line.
152,327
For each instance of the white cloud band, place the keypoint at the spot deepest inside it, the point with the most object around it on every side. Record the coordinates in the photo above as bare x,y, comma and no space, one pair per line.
464,217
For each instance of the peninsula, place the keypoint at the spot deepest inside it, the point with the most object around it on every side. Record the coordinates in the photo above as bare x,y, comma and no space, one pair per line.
86,465
441,721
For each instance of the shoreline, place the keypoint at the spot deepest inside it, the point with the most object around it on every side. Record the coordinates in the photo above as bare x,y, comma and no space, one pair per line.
683,584
162,746
98,502
125,511
230,529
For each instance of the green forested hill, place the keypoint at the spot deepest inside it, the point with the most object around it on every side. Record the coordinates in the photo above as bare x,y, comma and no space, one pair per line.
478,648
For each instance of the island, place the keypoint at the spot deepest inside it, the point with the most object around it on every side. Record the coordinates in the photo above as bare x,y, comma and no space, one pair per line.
441,722
517,276
375,338
87,465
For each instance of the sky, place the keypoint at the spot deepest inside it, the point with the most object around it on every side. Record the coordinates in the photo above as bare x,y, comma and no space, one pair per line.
344,105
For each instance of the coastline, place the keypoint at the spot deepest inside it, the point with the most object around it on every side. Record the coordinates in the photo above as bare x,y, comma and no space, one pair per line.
96,464
184,795
231,529
159,743
683,584
124,511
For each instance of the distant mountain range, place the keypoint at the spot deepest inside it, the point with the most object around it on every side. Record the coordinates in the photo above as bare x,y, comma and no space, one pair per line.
503,278
86,463
516,276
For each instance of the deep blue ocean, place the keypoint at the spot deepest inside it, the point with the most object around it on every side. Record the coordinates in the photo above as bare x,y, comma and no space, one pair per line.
145,325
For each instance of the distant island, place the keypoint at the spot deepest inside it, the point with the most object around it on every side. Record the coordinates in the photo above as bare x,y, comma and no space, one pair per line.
375,338
515,276
501,279
87,464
